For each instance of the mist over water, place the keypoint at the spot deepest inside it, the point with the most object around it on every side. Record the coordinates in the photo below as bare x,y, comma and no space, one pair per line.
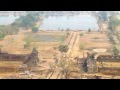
5,20
77,22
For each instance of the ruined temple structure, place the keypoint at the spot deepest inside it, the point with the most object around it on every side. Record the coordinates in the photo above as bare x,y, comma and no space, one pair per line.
103,63
30,60
81,63
94,63
91,63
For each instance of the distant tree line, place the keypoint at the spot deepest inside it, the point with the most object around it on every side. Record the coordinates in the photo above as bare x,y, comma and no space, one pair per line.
27,21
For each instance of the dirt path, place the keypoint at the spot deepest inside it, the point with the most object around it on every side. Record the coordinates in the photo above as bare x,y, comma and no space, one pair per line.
73,45
75,48
55,74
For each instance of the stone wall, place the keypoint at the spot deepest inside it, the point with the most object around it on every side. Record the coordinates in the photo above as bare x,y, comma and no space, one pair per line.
29,60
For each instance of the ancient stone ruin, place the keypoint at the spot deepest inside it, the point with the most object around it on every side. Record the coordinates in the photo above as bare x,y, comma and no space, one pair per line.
101,63
30,60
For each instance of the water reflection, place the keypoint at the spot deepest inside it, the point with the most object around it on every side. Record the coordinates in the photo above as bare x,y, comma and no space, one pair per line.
5,20
77,22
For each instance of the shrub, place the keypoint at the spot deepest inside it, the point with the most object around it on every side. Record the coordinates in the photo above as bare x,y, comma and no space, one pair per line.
115,51
34,29
81,34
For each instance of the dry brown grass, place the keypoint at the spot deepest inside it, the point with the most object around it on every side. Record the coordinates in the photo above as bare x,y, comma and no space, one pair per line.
94,35
86,39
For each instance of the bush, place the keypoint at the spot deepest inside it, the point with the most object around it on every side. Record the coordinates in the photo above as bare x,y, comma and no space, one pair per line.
89,30
81,34
63,48
34,29
115,51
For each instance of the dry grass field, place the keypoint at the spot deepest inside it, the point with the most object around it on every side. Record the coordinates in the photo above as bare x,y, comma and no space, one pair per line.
91,40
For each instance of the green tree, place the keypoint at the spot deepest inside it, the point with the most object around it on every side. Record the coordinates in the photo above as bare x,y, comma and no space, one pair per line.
115,51
103,15
34,29
113,22
63,48
27,21
89,30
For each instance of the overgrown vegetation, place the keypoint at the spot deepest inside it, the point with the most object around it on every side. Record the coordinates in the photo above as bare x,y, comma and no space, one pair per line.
63,48
66,68
113,22
103,16
89,30
7,30
115,51
113,33
34,29
27,21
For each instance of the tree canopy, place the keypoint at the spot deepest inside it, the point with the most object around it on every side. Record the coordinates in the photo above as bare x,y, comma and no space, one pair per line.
103,15
34,29
115,51
113,22
89,30
27,21
63,48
